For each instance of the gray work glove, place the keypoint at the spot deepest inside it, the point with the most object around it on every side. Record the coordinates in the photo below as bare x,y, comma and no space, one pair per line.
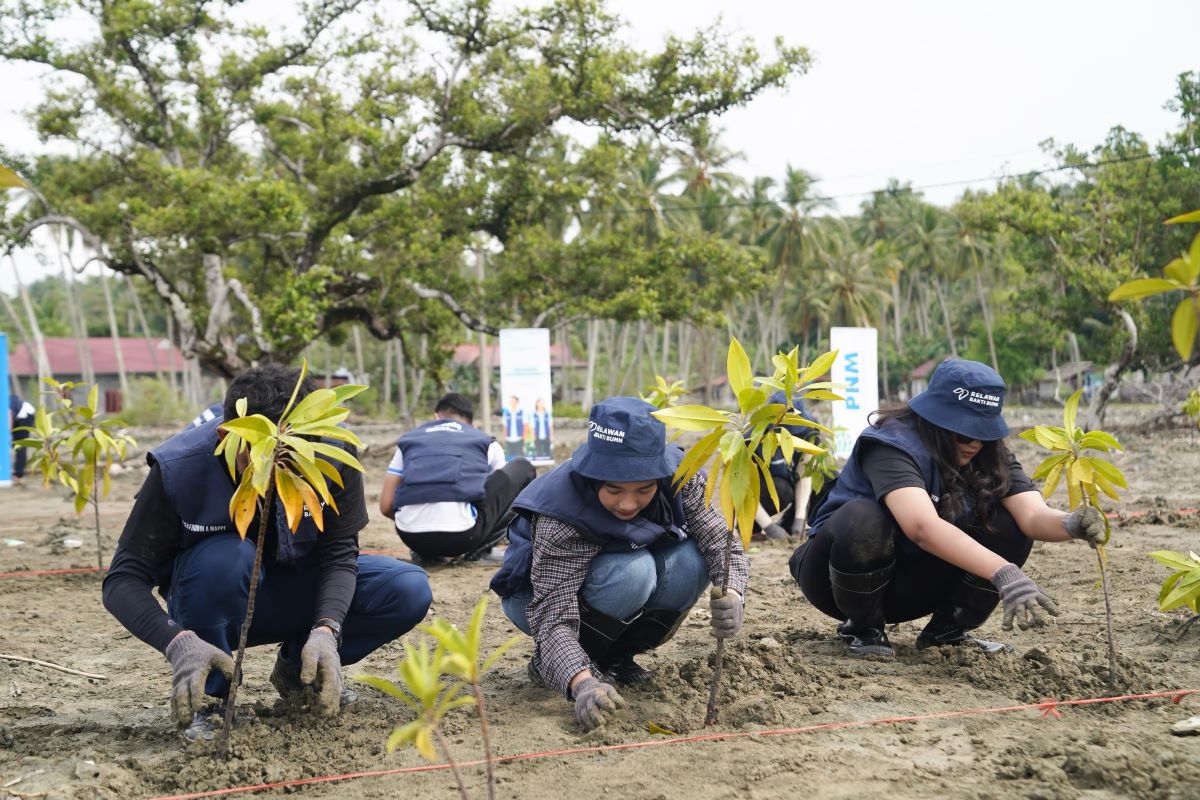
593,698
1085,523
775,531
1022,598
728,611
192,659
321,668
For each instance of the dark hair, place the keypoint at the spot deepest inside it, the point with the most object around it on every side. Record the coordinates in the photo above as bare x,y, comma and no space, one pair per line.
267,390
456,404
978,486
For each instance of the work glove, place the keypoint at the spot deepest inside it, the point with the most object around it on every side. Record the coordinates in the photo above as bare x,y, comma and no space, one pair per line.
593,698
728,611
775,531
1087,523
321,668
192,659
1022,598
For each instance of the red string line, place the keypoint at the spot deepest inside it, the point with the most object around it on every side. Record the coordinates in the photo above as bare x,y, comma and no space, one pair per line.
26,573
1048,707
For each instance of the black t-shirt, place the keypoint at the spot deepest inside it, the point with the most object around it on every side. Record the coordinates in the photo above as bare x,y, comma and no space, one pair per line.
149,545
889,468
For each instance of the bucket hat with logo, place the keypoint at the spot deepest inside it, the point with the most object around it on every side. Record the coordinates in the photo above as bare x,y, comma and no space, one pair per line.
965,397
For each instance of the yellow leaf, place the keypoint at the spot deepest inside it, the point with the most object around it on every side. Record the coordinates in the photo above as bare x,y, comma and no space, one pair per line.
242,505
658,730
10,179
818,367
424,744
313,504
289,496
1142,287
1070,411
1191,216
1183,326
738,367
691,417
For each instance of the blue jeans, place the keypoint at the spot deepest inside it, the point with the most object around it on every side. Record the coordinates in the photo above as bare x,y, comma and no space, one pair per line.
210,584
622,584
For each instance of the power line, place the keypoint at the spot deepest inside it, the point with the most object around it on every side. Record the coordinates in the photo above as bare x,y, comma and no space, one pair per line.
910,189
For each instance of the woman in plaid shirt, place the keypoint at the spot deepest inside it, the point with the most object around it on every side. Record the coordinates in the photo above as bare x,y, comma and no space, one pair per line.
606,559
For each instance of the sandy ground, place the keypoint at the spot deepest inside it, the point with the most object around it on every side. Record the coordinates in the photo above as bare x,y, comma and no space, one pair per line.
64,736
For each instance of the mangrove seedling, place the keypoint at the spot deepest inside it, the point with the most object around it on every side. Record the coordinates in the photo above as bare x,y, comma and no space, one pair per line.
1181,589
1086,476
737,446
293,460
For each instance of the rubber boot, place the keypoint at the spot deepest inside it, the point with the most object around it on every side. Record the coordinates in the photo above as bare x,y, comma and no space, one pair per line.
859,595
969,604
598,634
654,627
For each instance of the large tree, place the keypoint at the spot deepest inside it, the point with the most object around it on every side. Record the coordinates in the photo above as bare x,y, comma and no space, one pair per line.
272,186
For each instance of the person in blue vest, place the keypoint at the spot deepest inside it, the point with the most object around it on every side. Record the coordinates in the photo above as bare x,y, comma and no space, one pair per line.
542,424
933,515
448,488
323,602
513,417
213,411
791,487
20,415
605,559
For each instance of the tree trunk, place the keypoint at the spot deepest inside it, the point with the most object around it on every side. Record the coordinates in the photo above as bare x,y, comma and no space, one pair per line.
986,310
485,383
115,331
35,331
359,364
171,338
402,410
565,371
625,367
589,386
941,296
78,326
896,312
1113,376
685,352
385,394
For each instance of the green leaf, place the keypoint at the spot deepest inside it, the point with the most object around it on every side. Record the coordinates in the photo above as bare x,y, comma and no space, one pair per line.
1142,287
1107,470
1167,587
1186,589
251,429
1071,411
1174,560
1191,216
500,651
1043,469
691,417
1099,440
750,399
1183,327
818,367
314,405
335,453
738,367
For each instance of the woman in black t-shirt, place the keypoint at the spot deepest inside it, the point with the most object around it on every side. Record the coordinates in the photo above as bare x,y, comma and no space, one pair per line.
933,515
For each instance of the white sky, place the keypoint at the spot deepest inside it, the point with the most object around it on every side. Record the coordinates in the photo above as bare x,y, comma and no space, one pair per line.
928,91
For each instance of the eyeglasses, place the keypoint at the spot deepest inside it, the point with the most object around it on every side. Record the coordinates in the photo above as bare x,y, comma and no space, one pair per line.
961,439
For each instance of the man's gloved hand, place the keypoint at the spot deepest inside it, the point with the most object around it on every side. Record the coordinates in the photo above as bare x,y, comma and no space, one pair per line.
593,698
321,668
1085,523
728,611
1022,598
775,531
192,659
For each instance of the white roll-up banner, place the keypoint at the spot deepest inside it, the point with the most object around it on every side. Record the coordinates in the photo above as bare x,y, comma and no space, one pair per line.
855,371
527,427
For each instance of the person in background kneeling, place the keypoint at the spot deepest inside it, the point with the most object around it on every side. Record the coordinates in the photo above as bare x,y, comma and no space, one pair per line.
933,515
605,559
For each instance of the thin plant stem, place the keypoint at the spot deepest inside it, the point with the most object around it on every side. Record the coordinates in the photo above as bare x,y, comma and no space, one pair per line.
711,714
442,743
222,751
96,511
487,741
1112,645
1183,629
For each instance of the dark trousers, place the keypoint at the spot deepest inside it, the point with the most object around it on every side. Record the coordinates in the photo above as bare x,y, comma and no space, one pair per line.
786,491
500,490
862,537
21,453
210,583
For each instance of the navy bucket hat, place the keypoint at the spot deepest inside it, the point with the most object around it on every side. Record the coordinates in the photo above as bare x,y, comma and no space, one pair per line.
965,397
625,443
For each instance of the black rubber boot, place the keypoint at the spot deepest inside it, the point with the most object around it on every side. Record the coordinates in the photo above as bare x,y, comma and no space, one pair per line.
654,627
969,604
859,595
598,634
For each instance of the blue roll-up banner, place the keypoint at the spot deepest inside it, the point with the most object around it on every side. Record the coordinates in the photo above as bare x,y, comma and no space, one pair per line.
6,426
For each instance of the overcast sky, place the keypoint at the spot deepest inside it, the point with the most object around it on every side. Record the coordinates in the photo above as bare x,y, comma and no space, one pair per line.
926,91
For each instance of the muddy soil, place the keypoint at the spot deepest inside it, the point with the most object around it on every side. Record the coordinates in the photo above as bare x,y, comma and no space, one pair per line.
65,737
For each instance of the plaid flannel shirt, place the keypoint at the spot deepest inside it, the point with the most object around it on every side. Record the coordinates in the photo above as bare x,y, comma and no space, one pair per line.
561,559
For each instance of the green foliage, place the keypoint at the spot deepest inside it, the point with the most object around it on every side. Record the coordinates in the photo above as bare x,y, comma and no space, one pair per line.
663,394
1086,475
730,444
1182,588
154,402
1181,274
1191,406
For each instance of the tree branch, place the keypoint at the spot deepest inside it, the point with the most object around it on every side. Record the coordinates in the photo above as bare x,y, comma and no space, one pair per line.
446,299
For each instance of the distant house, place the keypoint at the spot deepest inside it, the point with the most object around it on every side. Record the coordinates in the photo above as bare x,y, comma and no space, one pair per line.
918,379
1066,379
142,359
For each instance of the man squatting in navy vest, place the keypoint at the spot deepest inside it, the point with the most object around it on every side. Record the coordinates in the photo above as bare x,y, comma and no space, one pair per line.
605,559
933,515
322,601
448,489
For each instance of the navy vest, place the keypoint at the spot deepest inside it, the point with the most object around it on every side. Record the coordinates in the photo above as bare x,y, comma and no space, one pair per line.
445,461
571,498
852,483
198,488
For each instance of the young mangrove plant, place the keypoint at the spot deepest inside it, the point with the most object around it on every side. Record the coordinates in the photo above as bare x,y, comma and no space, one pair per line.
1086,476
1181,589
292,459
737,446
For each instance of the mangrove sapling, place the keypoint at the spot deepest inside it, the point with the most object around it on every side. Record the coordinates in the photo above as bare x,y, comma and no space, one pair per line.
1181,589
77,447
663,393
737,447
1086,477
293,460
423,688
